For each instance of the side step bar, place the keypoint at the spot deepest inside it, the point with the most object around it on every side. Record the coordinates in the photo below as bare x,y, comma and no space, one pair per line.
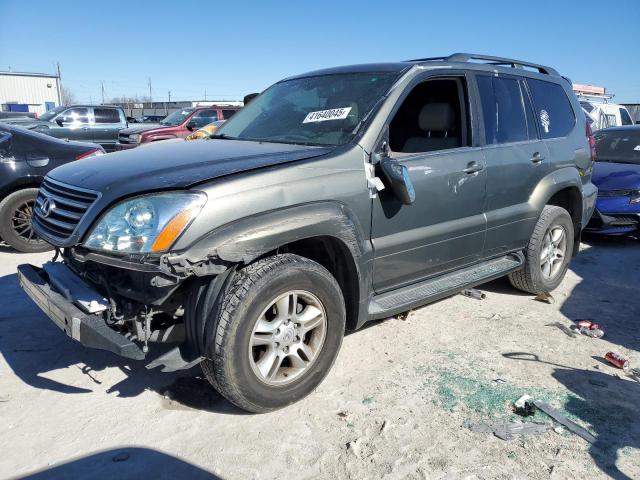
406,298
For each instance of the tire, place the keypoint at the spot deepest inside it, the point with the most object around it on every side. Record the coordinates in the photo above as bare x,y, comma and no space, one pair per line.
232,363
15,222
531,278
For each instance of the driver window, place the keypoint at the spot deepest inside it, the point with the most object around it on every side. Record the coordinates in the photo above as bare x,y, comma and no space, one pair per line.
432,117
76,116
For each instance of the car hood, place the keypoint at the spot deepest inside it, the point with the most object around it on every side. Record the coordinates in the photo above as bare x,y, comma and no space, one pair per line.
176,165
616,176
143,127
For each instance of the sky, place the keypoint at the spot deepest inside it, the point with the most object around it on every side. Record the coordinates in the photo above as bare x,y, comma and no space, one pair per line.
228,49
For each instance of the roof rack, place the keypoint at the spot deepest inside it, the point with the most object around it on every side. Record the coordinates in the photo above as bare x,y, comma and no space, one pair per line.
498,61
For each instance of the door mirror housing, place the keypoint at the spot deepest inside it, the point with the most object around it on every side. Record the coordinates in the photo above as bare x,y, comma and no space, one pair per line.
398,180
59,121
191,125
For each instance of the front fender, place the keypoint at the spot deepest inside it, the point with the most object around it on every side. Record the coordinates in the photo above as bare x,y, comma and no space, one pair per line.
246,239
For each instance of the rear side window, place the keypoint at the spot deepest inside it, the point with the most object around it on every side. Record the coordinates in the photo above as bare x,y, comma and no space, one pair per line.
227,114
106,115
626,118
503,110
5,145
204,117
553,108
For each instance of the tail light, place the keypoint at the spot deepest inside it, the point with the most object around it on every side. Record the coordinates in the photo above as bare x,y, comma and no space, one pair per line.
592,143
91,153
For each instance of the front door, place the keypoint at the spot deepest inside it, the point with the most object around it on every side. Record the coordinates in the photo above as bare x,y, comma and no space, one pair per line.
73,124
107,125
444,229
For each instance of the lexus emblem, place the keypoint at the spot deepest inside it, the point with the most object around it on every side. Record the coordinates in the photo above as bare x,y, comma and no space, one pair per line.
47,207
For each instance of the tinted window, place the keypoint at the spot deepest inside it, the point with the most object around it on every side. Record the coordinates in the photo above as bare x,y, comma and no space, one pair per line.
76,115
106,115
503,110
587,106
626,118
618,146
228,113
204,117
552,107
5,145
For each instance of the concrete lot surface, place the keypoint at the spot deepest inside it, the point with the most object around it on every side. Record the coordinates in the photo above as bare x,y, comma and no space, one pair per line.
400,402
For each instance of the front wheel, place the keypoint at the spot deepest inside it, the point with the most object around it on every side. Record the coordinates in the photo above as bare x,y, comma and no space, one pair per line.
16,212
548,254
277,333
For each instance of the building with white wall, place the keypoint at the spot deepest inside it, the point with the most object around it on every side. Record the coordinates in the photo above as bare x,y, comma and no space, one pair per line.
28,92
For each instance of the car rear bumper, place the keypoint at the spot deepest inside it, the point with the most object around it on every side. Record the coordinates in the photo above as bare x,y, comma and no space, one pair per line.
60,304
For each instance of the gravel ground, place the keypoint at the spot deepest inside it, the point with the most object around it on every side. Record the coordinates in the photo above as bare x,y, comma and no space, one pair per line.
400,402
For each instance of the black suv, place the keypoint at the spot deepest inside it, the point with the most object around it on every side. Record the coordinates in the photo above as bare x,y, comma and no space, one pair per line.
334,198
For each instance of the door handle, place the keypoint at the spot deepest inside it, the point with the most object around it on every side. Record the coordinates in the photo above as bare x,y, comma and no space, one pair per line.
473,167
537,158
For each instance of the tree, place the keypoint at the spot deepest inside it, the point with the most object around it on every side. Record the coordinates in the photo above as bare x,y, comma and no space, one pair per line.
67,97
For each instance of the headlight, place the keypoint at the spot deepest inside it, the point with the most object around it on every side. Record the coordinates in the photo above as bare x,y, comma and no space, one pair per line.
136,137
150,223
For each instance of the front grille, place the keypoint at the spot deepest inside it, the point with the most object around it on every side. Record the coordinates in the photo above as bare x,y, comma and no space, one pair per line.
67,205
624,221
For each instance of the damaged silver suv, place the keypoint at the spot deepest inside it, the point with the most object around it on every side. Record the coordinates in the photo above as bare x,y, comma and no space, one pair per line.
334,198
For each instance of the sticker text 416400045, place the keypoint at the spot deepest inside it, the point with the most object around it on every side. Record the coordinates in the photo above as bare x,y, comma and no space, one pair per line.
324,115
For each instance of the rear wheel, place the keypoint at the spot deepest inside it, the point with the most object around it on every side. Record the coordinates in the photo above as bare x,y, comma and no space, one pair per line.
16,212
548,254
277,333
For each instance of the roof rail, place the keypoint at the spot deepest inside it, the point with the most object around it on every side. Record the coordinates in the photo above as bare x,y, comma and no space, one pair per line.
498,61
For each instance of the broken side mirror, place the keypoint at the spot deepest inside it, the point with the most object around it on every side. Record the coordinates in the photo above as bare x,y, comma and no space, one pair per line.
398,179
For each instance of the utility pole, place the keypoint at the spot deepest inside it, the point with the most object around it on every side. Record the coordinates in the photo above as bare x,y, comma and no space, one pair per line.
205,94
102,89
166,107
150,97
169,96
59,82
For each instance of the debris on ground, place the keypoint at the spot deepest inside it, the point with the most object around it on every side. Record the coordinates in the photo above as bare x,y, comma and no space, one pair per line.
524,406
495,316
589,328
342,414
563,328
473,293
506,431
383,427
563,420
545,297
500,380
403,316
120,457
617,360
354,446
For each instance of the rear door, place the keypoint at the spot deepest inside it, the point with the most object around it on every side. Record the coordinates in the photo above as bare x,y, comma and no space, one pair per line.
516,161
108,123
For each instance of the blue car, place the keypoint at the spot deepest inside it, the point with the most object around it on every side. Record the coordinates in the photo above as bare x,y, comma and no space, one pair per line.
616,173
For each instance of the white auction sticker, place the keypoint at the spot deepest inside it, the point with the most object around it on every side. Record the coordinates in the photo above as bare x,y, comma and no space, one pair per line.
324,115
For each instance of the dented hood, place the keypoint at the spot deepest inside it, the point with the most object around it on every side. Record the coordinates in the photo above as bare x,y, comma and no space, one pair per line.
176,165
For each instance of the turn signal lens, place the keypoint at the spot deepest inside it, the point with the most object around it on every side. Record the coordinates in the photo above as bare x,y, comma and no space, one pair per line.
170,232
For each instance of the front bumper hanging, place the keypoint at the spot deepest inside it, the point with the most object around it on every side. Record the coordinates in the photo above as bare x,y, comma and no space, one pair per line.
59,293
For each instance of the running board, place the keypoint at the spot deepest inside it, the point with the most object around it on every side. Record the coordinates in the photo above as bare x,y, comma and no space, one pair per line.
406,298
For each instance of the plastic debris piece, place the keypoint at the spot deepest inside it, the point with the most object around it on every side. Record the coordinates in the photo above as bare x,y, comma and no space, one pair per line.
506,431
524,406
546,298
473,293
500,380
120,457
563,420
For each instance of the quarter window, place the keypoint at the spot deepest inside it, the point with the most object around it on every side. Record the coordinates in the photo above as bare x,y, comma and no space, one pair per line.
204,117
625,117
503,110
106,115
227,114
553,109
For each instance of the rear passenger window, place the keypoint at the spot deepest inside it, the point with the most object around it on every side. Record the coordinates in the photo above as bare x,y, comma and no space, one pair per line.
106,115
227,114
553,109
75,116
503,110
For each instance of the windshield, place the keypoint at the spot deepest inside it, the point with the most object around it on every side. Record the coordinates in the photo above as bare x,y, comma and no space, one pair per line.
620,146
51,113
322,110
176,118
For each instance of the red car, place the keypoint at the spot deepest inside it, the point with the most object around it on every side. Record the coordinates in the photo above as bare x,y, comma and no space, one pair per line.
177,125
